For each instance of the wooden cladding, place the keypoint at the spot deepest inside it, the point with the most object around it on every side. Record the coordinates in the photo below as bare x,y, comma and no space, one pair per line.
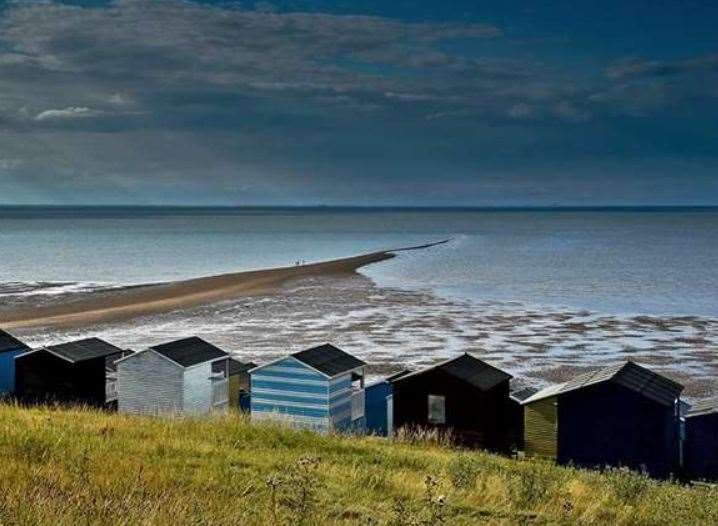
541,428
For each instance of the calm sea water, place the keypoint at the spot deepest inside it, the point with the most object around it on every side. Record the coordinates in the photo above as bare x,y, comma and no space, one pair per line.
615,261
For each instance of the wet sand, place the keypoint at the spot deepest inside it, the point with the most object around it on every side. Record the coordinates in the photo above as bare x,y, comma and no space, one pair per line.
130,302
392,328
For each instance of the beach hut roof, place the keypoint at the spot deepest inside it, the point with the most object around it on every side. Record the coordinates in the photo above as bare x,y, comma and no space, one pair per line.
80,350
629,374
522,394
237,367
328,359
398,375
190,351
10,343
469,369
704,407
389,378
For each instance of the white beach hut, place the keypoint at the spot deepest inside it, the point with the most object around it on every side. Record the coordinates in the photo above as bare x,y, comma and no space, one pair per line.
183,376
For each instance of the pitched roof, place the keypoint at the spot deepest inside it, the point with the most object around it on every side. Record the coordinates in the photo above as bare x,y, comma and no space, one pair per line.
81,350
704,407
469,369
397,375
10,343
236,367
629,374
111,363
388,379
522,394
328,359
190,351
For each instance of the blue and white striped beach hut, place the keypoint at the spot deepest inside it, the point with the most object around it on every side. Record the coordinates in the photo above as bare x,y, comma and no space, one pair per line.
10,347
321,388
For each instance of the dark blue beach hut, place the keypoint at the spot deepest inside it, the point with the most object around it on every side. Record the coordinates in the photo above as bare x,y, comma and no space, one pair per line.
9,348
623,416
377,399
700,449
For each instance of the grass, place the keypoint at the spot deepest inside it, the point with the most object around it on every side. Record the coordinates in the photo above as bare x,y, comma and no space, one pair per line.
74,467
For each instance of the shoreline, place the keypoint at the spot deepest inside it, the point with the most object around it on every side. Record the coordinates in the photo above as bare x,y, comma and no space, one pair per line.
158,298
395,329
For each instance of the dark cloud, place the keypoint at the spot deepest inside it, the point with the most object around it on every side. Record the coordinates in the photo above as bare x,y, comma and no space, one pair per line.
170,100
637,68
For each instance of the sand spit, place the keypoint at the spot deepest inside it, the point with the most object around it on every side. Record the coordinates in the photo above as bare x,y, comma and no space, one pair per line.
157,298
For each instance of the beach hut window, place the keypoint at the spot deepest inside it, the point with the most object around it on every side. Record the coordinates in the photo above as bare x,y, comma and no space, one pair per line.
437,409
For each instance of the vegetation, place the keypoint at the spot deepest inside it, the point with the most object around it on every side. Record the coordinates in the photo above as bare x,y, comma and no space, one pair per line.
73,467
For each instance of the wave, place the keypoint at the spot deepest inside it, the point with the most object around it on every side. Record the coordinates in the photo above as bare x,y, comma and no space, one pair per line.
53,288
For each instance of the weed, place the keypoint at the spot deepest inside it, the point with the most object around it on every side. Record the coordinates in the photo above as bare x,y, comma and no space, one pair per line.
463,471
629,486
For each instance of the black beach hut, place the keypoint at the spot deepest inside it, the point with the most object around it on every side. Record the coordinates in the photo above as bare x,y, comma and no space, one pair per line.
465,397
73,372
700,449
624,415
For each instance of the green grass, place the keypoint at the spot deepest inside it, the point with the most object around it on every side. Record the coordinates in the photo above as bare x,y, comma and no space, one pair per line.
78,467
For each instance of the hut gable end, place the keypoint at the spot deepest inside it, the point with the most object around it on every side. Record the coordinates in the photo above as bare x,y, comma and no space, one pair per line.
148,382
701,453
44,375
611,424
541,427
290,390
469,399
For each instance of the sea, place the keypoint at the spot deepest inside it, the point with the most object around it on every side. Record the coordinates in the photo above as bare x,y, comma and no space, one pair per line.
602,263
642,260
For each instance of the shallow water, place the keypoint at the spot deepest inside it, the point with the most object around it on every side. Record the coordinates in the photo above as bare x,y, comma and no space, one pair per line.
540,294
613,261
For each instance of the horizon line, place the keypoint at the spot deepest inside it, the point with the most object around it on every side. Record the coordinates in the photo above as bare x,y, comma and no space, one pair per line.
361,207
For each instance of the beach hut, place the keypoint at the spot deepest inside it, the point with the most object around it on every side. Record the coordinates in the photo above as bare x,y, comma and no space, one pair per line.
183,376
700,449
239,381
321,388
73,372
378,399
517,411
464,397
10,347
623,416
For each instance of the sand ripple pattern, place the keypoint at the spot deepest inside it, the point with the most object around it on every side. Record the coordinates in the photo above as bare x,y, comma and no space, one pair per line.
393,328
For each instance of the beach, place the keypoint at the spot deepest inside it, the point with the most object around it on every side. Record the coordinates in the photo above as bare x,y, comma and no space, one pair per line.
142,300
264,315
543,296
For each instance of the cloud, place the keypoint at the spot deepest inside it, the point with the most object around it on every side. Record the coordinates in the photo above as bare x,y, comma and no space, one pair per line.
569,111
641,87
119,99
71,112
10,164
182,97
637,68
521,110
216,65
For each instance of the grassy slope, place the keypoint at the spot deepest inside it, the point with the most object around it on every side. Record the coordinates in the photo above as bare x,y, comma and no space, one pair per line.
84,467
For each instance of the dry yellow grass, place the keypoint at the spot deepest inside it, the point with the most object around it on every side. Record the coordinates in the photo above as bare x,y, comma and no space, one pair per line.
84,467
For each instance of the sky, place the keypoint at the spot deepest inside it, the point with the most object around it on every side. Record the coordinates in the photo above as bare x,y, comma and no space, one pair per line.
361,102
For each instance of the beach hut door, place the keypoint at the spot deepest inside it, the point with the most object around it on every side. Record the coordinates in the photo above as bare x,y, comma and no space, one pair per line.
389,415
